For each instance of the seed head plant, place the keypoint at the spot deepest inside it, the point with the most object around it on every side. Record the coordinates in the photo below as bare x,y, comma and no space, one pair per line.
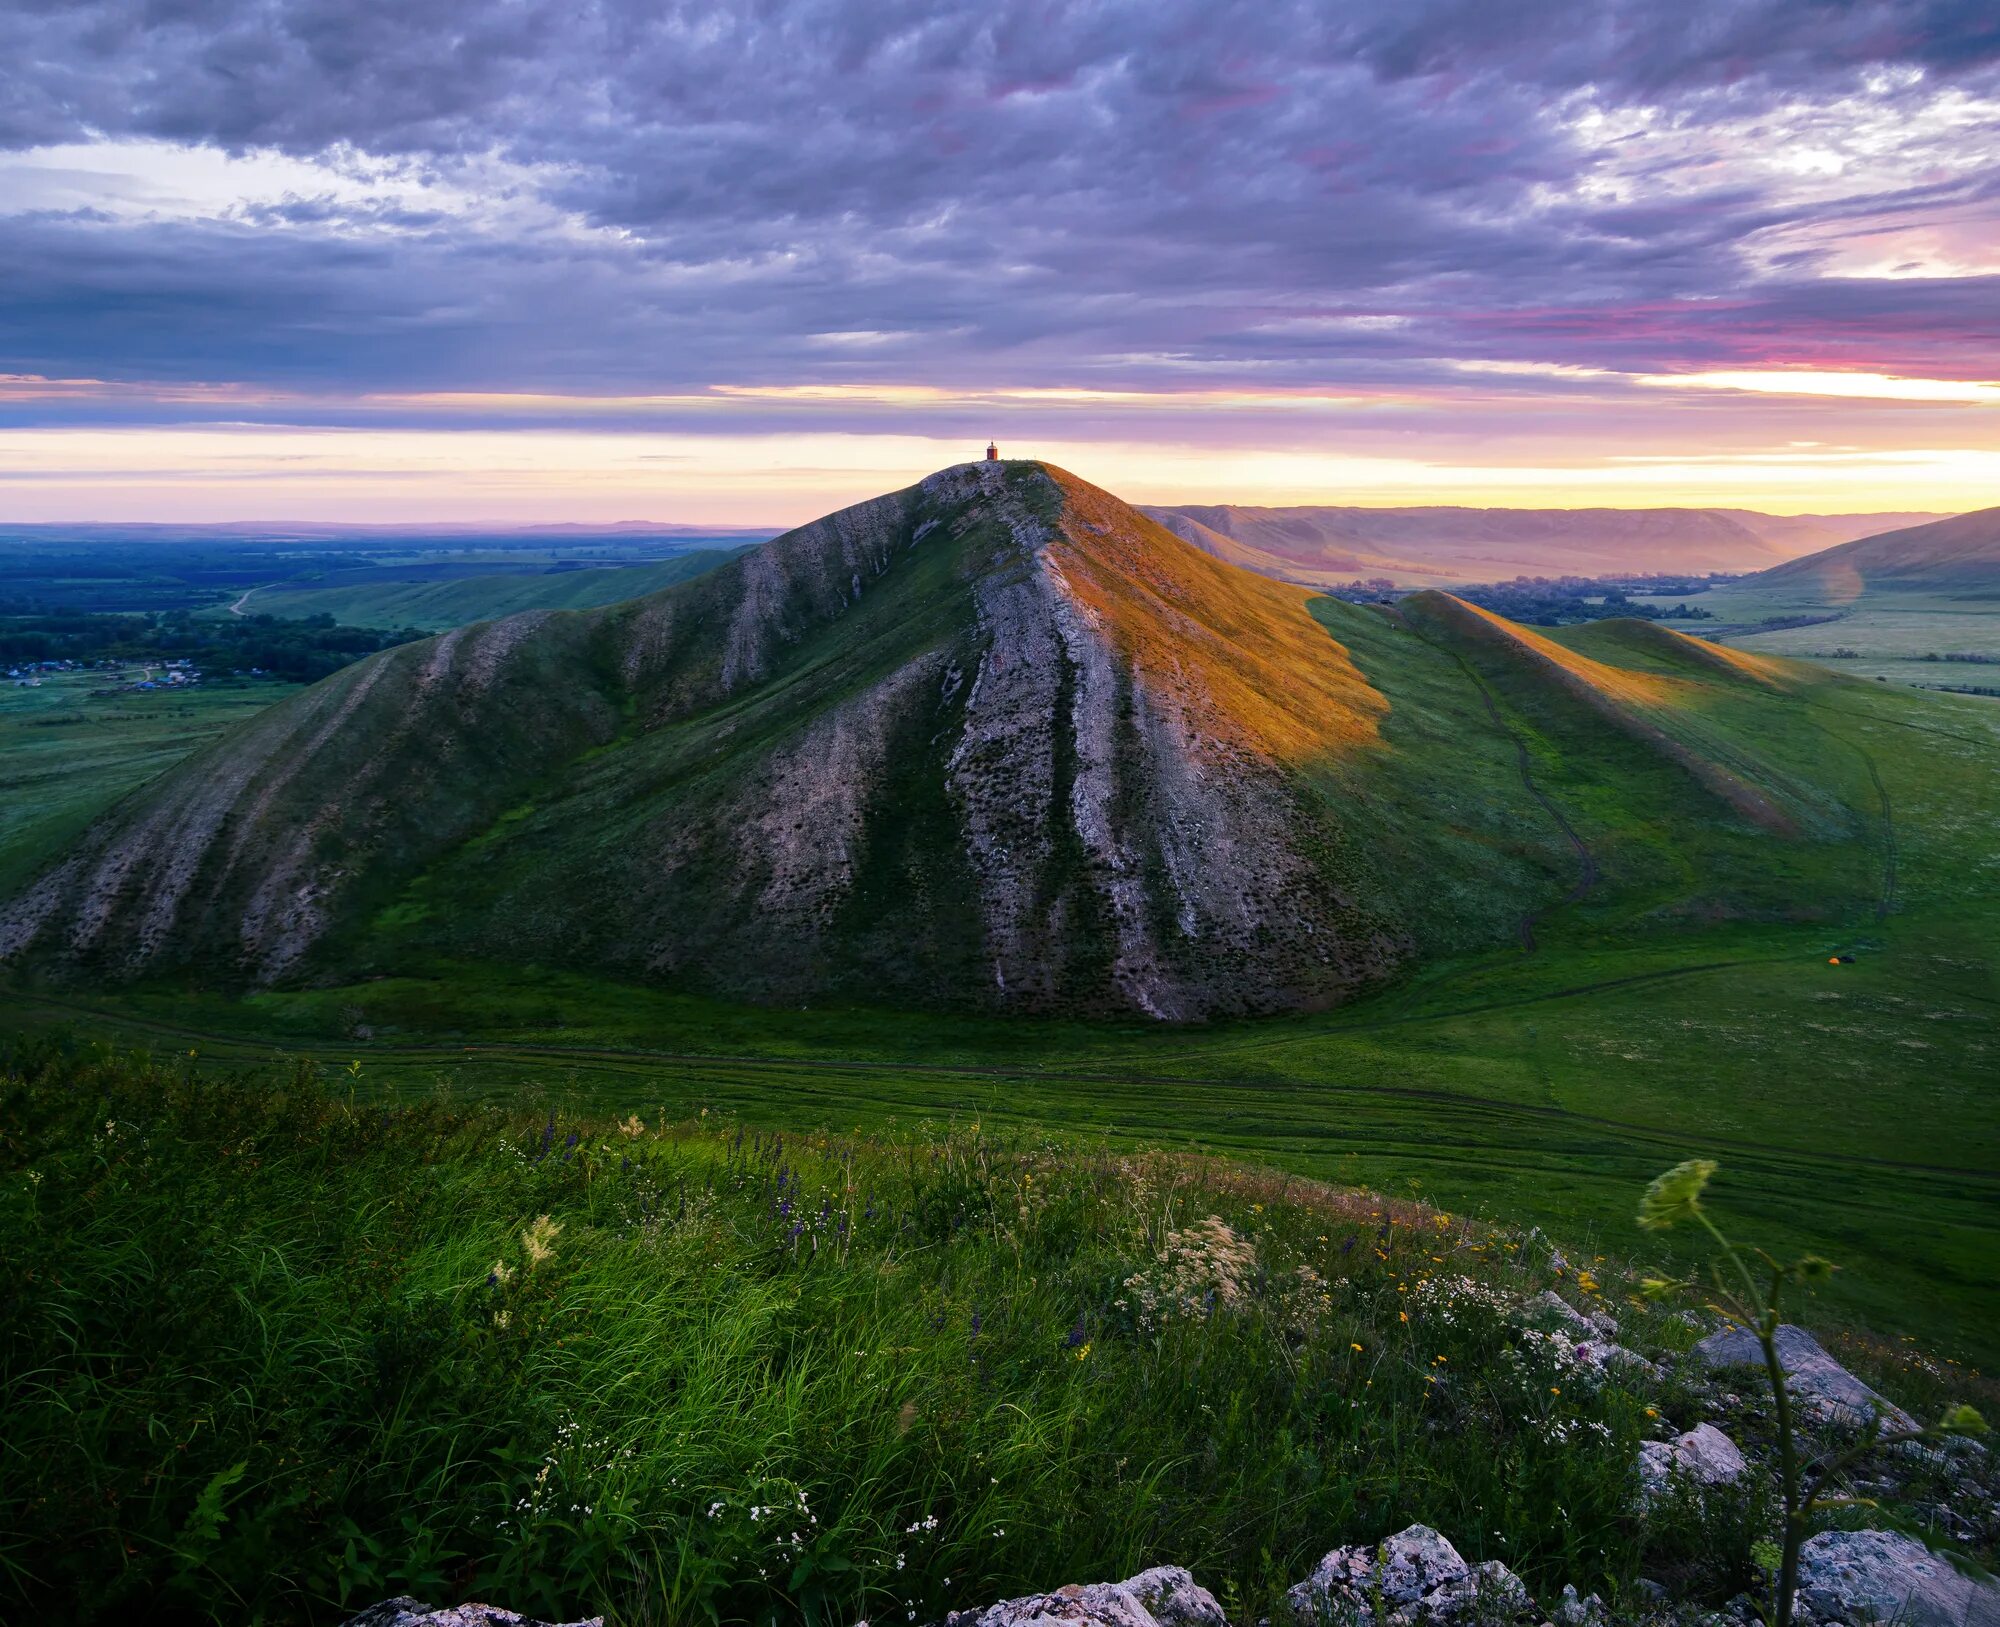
1757,1307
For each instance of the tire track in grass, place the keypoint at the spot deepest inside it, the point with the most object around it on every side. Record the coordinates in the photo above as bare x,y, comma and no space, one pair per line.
722,1069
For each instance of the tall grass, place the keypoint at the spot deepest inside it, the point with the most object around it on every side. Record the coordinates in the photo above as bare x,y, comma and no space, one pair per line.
270,1352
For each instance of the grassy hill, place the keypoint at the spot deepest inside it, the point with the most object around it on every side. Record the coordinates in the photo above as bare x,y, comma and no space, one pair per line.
995,742
381,599
1958,555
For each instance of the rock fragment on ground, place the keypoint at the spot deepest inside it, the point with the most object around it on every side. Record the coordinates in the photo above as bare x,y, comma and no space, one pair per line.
1165,1596
1826,1391
1418,1578
408,1612
1585,1324
1884,1576
1704,1456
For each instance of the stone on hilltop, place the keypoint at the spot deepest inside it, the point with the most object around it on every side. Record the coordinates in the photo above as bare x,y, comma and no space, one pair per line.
1419,1578
1871,1576
1165,1596
1825,1391
408,1612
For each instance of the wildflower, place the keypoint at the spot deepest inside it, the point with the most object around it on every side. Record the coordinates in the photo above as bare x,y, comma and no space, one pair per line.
1083,1353
1355,1348
715,1508
1077,1334
1652,1412
634,1126
539,1240
1403,1316
1555,1389
501,1274
1676,1195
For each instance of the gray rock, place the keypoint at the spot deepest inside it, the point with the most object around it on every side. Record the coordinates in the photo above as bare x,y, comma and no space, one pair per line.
1884,1576
408,1612
1418,1577
1704,1455
1585,1324
1570,1611
1165,1596
1551,1304
1825,1391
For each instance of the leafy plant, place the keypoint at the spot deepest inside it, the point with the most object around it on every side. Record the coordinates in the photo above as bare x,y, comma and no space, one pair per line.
1757,1308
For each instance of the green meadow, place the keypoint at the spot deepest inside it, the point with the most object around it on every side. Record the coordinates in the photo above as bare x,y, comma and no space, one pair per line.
389,604
66,755
1878,633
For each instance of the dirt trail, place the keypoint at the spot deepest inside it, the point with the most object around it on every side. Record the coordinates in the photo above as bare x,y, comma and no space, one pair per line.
237,608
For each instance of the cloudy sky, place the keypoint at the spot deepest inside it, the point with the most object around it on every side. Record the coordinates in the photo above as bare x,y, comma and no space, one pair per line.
559,259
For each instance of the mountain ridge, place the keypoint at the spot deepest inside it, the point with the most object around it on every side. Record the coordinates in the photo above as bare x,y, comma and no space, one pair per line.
1446,545
1954,554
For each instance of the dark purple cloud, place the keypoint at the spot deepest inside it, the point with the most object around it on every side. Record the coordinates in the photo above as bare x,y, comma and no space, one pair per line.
603,195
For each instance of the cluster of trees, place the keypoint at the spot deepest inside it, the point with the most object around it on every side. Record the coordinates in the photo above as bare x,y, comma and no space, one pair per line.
1559,601
301,650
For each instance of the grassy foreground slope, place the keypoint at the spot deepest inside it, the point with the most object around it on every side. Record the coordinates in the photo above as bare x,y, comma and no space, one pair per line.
453,602
273,1354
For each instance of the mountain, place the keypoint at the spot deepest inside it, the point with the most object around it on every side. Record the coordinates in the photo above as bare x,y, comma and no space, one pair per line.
1960,555
1434,547
996,741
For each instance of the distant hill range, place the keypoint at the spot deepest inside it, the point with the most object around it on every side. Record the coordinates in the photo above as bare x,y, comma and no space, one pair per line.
998,742
1957,556
1442,547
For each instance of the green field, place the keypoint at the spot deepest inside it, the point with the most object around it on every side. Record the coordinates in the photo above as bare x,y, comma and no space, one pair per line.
65,755
1888,632
436,605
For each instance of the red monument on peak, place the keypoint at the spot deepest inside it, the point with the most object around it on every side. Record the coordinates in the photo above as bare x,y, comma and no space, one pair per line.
992,452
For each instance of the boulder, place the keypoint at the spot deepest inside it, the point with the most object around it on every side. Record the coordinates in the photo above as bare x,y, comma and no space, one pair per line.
1570,1611
1884,1576
1825,1391
1586,1324
1165,1596
1419,1579
1704,1455
407,1612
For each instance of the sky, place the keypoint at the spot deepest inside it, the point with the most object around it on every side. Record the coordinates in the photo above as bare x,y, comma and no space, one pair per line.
544,260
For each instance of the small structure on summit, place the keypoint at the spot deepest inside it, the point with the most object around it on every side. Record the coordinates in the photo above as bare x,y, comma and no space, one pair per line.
992,452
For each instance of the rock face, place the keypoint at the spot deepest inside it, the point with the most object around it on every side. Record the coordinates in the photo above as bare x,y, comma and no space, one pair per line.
1165,1596
406,1612
1858,1577
1704,1455
1417,1577
1825,1391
